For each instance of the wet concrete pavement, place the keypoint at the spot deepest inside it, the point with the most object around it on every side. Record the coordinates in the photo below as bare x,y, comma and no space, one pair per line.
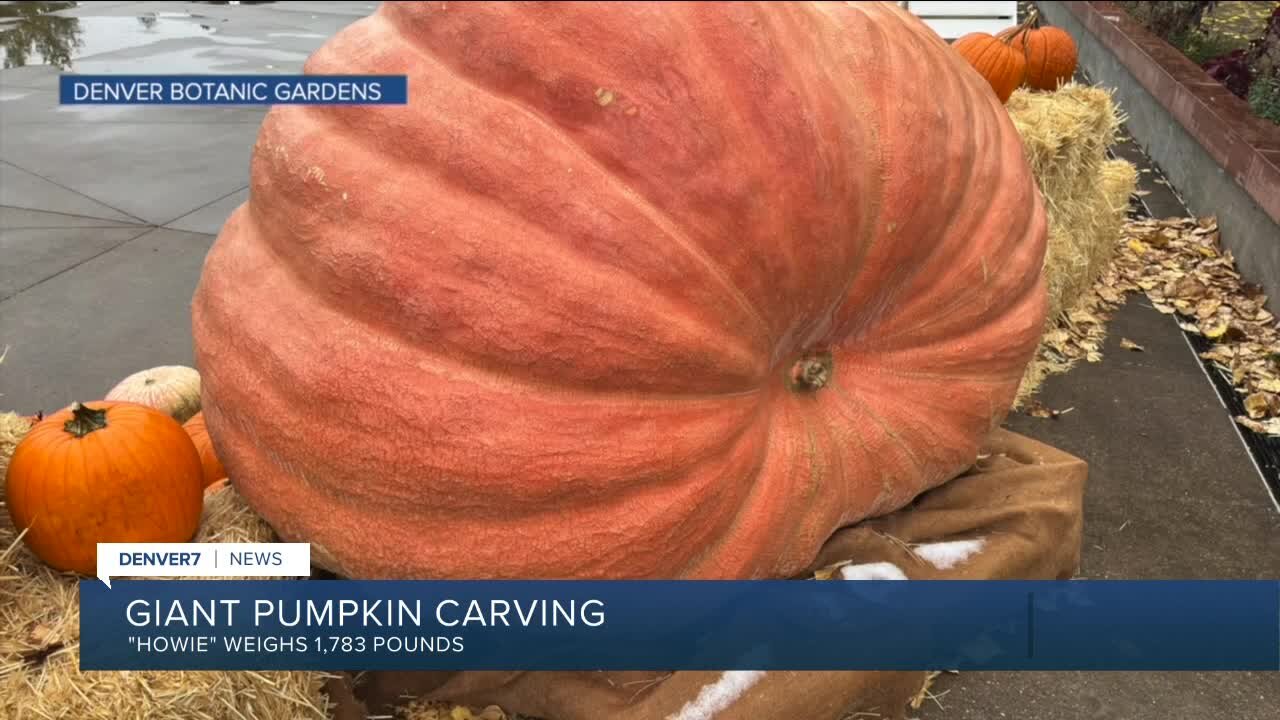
106,214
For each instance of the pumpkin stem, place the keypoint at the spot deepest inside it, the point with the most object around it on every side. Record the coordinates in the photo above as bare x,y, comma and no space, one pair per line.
85,420
811,372
1025,26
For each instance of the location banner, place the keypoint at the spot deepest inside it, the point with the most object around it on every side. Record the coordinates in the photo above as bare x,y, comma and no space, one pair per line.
679,625
74,89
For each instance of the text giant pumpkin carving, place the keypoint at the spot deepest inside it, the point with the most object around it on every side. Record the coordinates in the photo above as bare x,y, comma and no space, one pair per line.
626,290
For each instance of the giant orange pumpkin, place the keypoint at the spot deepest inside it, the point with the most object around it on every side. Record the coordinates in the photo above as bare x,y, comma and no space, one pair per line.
626,289
103,472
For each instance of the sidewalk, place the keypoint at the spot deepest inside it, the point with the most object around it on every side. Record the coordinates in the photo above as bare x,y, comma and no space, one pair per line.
106,213
1172,494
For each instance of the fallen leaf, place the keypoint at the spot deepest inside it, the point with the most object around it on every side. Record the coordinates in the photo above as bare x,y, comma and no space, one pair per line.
1246,308
1138,247
1083,317
1207,308
1220,353
1214,330
1057,336
1188,288
1128,344
1259,404
1265,427
1037,409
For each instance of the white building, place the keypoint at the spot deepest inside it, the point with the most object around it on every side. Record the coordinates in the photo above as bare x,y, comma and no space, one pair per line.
954,19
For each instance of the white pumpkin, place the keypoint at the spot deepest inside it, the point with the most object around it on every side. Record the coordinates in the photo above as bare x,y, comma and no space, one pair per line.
173,389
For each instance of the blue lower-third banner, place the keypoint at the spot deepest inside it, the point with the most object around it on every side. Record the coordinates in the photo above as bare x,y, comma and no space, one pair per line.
74,89
685,625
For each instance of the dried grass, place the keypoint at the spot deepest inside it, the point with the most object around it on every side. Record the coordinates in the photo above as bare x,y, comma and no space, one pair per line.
1066,135
39,649
12,429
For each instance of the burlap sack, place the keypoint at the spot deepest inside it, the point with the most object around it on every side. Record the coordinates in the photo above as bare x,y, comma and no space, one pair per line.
1016,515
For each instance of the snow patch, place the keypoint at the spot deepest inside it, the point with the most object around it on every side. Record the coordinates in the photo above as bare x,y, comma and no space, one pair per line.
946,555
873,571
719,695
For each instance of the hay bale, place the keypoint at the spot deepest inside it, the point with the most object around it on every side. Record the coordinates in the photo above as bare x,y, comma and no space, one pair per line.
1083,230
39,649
1066,135
13,427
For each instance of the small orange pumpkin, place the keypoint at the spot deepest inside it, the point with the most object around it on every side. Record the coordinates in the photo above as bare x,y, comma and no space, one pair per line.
995,60
209,462
1050,53
103,472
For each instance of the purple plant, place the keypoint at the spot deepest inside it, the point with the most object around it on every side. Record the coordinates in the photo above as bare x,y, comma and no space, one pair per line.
1232,70
1239,68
